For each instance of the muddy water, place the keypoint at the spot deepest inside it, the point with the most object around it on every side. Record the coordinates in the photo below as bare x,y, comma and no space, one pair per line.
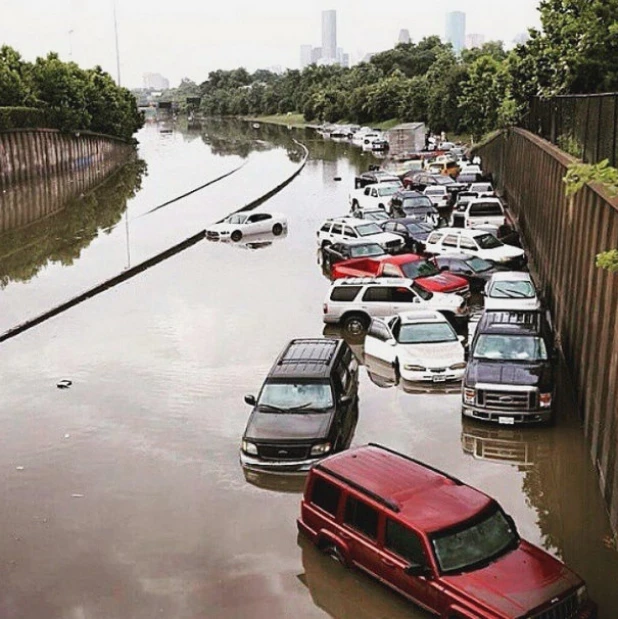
123,496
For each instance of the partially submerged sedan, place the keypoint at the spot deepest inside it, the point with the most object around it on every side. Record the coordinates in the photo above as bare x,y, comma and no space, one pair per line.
238,225
421,346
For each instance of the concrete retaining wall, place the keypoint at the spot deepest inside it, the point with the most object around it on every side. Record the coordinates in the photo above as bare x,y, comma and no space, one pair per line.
563,237
27,154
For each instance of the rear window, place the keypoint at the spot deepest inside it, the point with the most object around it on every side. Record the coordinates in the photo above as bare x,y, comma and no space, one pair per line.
361,517
344,293
325,495
486,209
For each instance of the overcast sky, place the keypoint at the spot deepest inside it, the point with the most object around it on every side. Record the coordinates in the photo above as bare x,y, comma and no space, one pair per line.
189,38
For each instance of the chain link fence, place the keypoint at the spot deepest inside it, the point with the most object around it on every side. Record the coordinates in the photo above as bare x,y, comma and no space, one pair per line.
582,125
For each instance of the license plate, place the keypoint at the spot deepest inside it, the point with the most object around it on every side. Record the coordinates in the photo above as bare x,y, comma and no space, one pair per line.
439,379
507,421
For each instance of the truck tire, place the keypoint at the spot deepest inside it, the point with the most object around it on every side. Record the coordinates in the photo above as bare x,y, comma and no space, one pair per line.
355,323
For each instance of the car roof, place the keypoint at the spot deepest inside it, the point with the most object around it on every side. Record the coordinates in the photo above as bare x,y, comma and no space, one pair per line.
409,193
403,258
485,200
462,231
349,220
425,316
455,256
502,322
377,281
420,495
511,276
306,358
355,242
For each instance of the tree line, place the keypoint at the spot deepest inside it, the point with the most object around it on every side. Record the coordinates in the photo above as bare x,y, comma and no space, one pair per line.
55,94
475,92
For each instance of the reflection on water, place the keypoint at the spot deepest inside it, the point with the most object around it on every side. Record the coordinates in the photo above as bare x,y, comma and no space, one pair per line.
347,593
277,482
252,241
62,220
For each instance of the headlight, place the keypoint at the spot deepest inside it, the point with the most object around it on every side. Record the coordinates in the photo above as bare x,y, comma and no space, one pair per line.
545,400
249,448
458,366
413,368
320,449
469,395
582,594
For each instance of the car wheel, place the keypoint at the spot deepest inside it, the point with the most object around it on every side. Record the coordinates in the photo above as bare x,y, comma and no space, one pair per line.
333,551
277,229
236,235
355,324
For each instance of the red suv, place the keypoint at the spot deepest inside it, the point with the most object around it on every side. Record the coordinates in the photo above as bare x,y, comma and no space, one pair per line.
445,545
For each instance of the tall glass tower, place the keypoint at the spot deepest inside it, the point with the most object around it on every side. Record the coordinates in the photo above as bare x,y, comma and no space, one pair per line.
329,35
456,30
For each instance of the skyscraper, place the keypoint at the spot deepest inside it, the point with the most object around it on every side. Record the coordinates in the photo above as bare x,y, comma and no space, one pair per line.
404,36
329,35
456,30
305,56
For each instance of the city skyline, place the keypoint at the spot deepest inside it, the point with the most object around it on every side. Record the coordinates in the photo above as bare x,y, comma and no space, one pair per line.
189,39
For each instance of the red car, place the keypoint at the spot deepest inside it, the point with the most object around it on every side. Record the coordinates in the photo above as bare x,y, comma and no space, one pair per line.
446,546
425,273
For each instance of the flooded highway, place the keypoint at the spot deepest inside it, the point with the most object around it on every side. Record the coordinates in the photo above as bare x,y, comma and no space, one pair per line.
123,494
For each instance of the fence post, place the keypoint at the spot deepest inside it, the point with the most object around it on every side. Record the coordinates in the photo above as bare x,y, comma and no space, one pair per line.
613,159
584,145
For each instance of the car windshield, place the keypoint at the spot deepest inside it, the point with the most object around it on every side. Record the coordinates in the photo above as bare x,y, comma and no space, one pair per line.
419,268
435,191
510,348
236,219
376,216
475,545
388,190
512,290
478,265
361,251
426,333
414,227
416,202
368,229
488,241
296,397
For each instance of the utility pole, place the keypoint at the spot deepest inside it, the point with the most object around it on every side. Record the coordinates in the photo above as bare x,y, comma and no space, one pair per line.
117,49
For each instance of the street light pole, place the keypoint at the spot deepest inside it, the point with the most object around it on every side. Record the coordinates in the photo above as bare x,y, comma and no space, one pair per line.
117,48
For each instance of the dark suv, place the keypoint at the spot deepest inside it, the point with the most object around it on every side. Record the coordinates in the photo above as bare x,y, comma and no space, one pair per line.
307,407
510,373
412,204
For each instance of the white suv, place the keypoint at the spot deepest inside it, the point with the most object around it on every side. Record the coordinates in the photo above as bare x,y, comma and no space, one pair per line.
377,195
351,228
475,242
353,302
480,213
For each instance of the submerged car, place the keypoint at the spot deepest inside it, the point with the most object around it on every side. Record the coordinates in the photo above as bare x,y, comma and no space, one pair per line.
446,546
238,225
307,407
511,290
421,346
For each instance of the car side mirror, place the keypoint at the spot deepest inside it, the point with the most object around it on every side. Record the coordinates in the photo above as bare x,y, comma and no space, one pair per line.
415,569
345,399
391,342
462,339
250,399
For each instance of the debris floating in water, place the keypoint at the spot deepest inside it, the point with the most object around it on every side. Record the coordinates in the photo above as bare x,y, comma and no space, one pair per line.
20,468
64,383
77,496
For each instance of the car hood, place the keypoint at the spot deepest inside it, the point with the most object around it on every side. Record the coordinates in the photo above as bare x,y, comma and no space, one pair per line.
504,252
221,227
288,426
440,355
444,282
446,299
517,583
500,372
383,237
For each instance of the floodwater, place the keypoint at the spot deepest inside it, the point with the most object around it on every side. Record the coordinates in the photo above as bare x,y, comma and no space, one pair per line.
122,494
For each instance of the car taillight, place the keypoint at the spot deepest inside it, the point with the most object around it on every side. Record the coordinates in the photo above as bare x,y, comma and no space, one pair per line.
325,308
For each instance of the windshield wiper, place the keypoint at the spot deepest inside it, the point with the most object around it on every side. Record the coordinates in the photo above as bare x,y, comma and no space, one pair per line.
270,407
285,409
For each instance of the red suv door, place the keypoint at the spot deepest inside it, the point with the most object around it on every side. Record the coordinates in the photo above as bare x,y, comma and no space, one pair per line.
404,550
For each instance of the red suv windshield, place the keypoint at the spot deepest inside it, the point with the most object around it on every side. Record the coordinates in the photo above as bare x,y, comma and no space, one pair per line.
475,545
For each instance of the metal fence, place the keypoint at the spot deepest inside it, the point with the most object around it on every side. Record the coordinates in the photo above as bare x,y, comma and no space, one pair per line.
582,125
562,237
